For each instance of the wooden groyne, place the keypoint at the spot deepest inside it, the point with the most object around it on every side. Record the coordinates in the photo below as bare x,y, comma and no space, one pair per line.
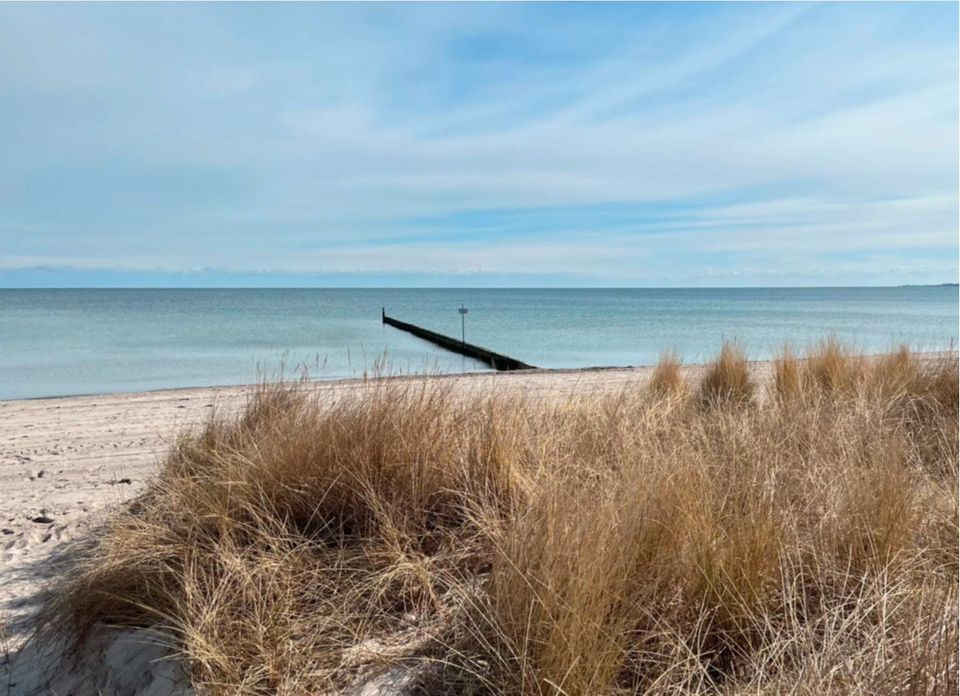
497,361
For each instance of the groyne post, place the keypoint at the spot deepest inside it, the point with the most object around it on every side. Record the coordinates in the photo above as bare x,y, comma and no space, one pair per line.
497,361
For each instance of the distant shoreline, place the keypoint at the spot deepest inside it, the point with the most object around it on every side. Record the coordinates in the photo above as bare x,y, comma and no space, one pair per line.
336,382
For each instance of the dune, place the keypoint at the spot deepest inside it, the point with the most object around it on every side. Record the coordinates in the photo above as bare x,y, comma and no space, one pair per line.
67,464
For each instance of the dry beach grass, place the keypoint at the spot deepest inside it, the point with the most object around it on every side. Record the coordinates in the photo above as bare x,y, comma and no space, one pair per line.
725,537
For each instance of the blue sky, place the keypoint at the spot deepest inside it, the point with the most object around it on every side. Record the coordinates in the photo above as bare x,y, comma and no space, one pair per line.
478,144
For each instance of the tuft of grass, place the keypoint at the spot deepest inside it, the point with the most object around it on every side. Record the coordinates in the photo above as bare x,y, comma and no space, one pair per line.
667,379
833,367
594,544
788,375
941,383
896,374
727,380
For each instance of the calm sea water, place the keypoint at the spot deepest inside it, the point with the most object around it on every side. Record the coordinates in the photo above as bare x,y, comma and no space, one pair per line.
56,342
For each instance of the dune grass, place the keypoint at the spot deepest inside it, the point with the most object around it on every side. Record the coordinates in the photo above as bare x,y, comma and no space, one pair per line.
727,381
797,534
667,378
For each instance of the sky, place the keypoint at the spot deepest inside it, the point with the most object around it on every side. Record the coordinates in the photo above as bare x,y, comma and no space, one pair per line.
648,144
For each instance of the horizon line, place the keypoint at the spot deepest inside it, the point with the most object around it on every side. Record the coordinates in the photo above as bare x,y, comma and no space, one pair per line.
464,287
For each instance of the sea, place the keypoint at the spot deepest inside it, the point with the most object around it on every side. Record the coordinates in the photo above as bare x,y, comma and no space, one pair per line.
93,341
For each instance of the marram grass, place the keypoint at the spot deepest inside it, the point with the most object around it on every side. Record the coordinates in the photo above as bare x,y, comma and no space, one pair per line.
794,535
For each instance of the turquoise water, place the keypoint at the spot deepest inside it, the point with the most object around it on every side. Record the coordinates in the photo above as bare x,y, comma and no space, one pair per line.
56,342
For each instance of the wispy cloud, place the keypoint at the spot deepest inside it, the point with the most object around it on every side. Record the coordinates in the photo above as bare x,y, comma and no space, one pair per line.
635,144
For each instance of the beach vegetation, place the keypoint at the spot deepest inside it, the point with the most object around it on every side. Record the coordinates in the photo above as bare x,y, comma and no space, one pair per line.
668,379
727,381
487,542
